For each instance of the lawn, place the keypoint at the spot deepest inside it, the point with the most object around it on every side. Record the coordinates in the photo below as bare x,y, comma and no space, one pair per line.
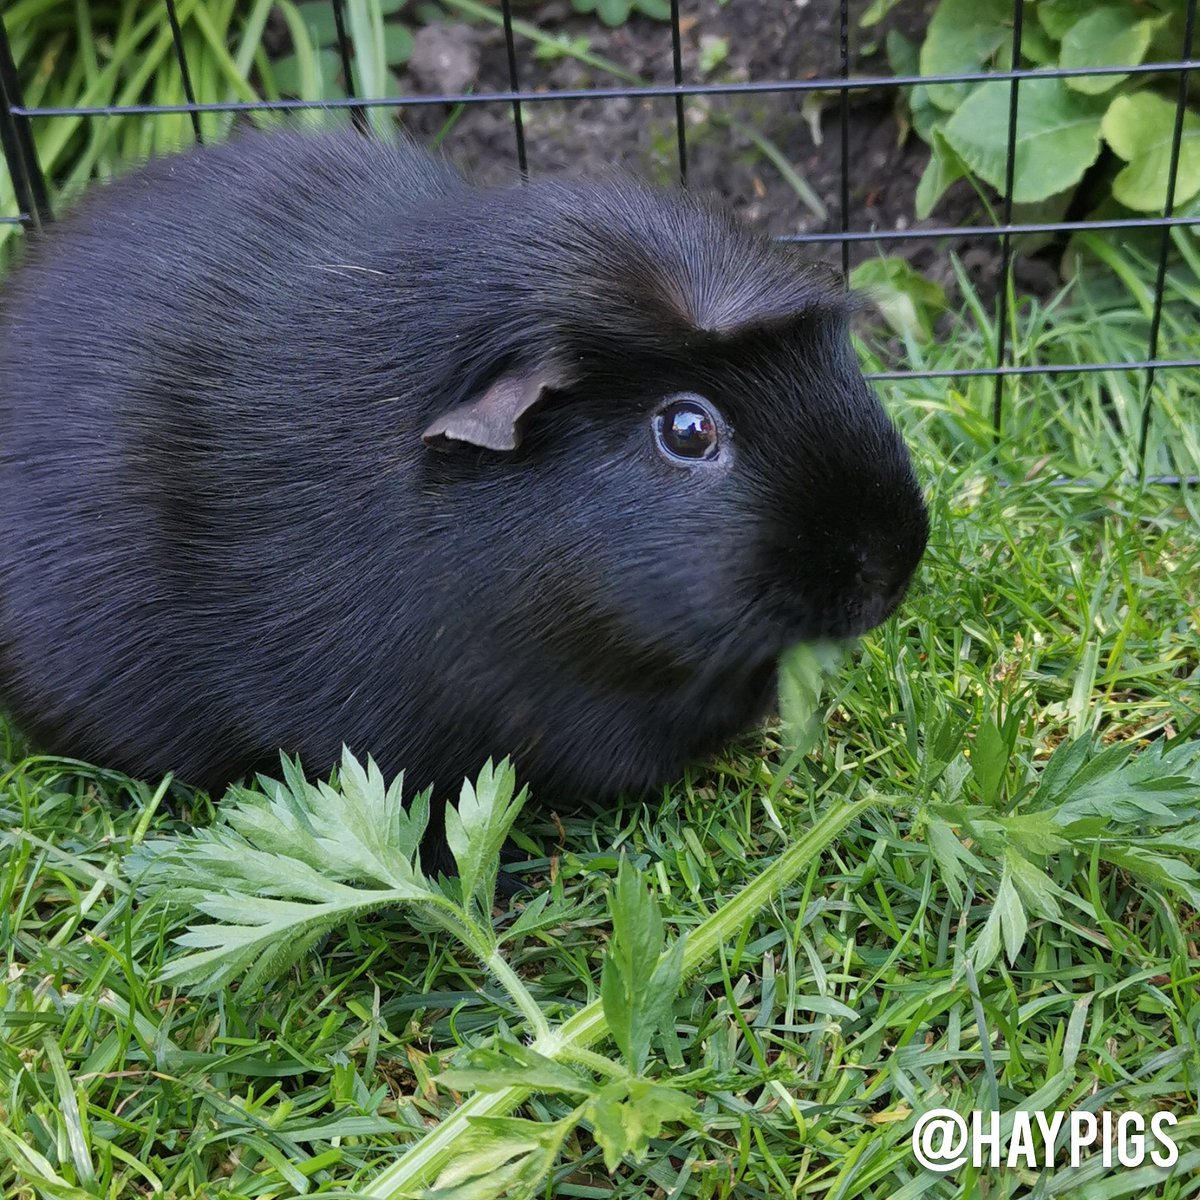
1009,922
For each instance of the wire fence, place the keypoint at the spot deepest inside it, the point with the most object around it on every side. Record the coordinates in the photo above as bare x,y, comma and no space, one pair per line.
32,192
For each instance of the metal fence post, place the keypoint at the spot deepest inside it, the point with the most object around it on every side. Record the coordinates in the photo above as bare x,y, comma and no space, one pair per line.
16,138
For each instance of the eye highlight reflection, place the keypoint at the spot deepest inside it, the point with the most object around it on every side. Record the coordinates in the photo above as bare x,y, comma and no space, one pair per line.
686,430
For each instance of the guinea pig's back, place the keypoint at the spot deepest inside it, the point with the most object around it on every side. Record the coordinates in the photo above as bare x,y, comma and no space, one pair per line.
182,402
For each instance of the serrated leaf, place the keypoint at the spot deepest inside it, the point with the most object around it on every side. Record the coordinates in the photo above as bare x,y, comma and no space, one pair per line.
1160,870
803,670
1036,833
627,1115
1057,136
1158,787
543,912
477,827
1037,890
989,759
510,1064
962,37
637,990
952,857
1013,923
1141,128
503,1158
273,876
1108,36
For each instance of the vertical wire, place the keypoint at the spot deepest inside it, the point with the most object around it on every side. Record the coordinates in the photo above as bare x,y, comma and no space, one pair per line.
1164,245
29,183
677,59
844,117
1010,167
358,114
188,91
514,84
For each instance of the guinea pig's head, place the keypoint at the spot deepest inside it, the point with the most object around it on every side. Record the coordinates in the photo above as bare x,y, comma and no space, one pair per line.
691,472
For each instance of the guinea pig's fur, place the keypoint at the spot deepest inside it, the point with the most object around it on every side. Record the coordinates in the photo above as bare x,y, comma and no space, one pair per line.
306,441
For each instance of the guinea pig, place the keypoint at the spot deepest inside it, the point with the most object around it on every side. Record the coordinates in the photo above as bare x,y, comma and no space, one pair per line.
305,440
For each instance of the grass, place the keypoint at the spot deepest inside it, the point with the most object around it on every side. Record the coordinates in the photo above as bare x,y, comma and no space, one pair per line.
1059,601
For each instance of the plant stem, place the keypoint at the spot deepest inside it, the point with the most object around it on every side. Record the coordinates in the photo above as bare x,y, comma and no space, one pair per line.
511,982
420,1164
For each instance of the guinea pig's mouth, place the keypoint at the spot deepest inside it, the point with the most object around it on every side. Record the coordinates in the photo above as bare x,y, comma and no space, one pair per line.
835,617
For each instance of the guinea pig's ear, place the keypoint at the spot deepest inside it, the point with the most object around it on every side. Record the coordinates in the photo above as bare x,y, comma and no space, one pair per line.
492,420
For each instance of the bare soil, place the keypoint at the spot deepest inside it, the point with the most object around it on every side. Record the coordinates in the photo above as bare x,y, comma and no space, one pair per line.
767,40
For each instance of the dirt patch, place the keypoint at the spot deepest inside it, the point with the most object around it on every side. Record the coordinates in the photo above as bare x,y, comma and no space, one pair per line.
764,40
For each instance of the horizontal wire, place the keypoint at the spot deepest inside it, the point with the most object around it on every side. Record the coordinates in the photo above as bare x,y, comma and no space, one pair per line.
939,231
936,231
644,90
1138,364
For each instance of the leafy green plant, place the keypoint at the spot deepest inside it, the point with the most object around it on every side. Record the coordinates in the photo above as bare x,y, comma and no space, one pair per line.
121,52
291,860
314,68
617,12
906,300
1063,124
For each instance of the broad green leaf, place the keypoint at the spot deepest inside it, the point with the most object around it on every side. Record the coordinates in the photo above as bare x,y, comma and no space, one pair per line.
1057,16
1107,37
987,945
476,829
907,300
1037,46
943,168
290,74
1057,136
398,44
1035,833
318,15
613,12
1140,128
963,35
877,10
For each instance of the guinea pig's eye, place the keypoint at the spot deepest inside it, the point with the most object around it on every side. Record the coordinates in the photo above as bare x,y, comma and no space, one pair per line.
686,428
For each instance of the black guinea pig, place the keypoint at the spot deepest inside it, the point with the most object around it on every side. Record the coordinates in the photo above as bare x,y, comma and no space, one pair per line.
306,441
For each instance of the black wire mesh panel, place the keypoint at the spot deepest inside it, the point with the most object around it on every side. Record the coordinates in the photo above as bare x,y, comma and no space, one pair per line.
34,209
